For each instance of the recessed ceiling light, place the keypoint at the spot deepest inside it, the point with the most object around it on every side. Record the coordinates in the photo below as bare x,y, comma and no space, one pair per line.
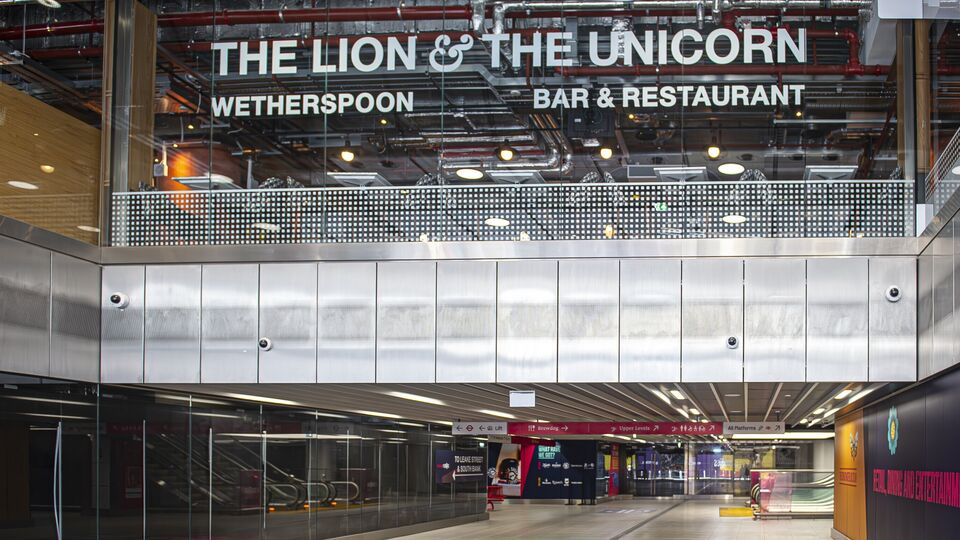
380,414
734,219
383,121
831,412
606,152
496,222
676,394
88,228
683,413
804,421
694,411
731,169
735,412
732,395
818,411
843,394
713,151
261,399
506,153
347,155
22,185
790,435
470,174
956,170
861,395
47,168
269,227
492,412
415,397
661,395
190,126
53,4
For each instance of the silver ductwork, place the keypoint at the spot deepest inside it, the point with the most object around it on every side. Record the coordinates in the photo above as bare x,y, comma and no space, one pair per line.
559,158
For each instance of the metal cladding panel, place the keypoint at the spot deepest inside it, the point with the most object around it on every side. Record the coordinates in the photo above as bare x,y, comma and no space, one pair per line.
467,321
24,308
121,330
347,311
837,312
650,320
774,318
893,325
527,321
925,316
712,313
944,326
588,321
75,319
288,317
406,322
171,330
228,323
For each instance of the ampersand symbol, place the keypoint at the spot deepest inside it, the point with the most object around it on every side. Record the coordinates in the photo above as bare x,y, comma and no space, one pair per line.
604,99
455,52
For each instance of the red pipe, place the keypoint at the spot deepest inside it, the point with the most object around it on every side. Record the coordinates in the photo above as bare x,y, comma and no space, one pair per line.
315,15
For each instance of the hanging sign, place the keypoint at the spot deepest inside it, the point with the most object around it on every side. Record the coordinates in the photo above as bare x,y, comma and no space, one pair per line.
754,428
480,428
615,428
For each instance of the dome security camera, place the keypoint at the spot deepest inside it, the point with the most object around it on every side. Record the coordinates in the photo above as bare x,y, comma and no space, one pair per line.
894,294
265,344
119,300
732,342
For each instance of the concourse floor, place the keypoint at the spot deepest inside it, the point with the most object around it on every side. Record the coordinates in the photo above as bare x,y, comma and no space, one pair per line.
630,519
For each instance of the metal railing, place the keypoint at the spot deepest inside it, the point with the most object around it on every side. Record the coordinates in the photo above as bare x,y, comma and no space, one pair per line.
866,208
944,178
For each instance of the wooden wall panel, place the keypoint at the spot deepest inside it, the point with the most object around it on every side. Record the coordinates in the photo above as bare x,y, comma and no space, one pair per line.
34,135
142,96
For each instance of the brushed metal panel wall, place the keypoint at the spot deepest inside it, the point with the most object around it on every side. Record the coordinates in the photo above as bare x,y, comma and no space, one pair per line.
925,365
650,320
288,316
837,311
229,323
406,322
712,312
347,311
944,327
171,330
467,321
121,330
589,321
774,317
527,321
893,325
75,319
25,308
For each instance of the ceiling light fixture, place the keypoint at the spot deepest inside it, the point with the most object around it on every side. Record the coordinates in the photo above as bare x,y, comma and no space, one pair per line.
190,126
860,395
798,114
713,151
831,412
956,170
496,222
506,153
843,394
731,169
606,152
52,4
379,414
47,168
176,145
383,121
262,399
676,394
661,395
411,424
22,185
804,421
734,219
415,397
790,435
492,412
683,413
694,411
347,154
819,410
470,174
88,228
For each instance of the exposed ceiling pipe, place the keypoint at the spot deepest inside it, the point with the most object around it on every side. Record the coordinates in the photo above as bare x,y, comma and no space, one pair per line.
746,69
499,11
558,158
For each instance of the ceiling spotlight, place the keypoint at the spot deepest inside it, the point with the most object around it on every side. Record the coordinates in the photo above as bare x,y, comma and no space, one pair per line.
609,231
52,4
176,145
734,219
496,222
631,116
22,185
505,153
677,395
347,154
606,152
47,168
88,228
383,122
798,114
713,151
818,411
470,174
731,169
956,170
190,126
694,411
843,394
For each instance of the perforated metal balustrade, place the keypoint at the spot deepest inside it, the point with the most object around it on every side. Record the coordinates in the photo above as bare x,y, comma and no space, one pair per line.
524,212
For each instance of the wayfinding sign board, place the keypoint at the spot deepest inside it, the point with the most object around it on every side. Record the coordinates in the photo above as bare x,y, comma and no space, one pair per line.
754,428
479,428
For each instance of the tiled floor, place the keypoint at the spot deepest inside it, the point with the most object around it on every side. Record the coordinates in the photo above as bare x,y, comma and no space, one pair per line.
630,519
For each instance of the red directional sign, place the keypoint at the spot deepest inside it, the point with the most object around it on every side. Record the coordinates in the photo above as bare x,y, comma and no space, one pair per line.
615,428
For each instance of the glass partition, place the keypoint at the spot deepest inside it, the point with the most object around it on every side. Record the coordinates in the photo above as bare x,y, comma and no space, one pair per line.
175,465
795,492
